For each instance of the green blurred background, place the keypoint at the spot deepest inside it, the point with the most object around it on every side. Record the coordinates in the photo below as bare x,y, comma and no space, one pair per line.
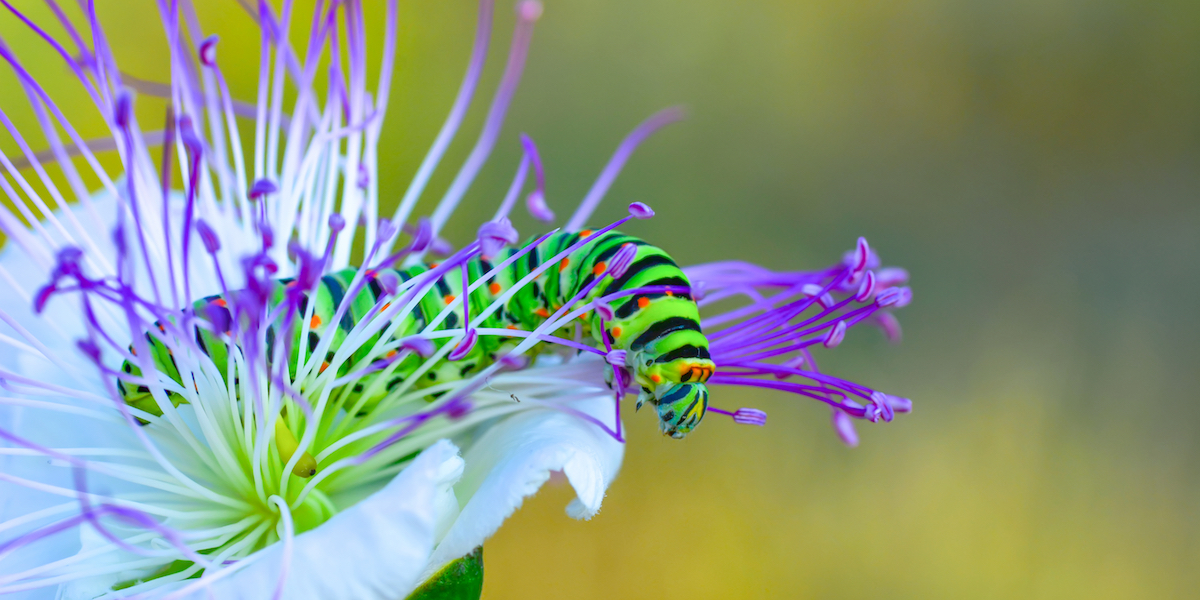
1033,163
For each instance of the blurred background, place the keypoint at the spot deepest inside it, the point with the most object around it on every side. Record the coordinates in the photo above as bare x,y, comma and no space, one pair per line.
1033,163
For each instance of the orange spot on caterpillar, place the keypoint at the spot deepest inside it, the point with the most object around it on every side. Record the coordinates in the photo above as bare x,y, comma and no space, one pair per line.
670,294
599,268
616,332
643,302
315,322
220,302
448,298
513,327
324,365
541,312
655,378
562,266
433,265
585,233
390,353
494,288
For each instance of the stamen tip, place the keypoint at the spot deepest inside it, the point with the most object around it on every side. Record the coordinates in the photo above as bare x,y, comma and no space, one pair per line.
529,10
422,346
750,416
261,188
843,425
337,222
208,51
465,346
639,210
604,309
124,109
622,260
211,242
535,202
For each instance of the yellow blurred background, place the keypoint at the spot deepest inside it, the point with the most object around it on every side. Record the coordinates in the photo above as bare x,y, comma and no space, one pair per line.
1033,163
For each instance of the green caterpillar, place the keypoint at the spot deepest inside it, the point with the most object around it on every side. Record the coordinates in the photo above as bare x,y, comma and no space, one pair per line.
666,352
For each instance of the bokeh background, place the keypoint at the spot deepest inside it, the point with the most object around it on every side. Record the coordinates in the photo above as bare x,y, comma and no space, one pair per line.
1034,164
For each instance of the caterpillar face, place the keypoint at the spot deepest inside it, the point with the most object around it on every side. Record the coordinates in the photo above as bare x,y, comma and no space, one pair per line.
681,406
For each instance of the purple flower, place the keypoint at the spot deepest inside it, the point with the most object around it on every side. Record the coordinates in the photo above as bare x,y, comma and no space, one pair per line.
154,315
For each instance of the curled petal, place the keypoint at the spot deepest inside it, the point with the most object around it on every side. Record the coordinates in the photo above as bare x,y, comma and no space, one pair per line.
512,459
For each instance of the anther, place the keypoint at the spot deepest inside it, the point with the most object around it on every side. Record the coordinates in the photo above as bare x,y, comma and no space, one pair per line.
843,425
866,288
208,51
529,10
750,416
89,349
191,141
337,222
891,277
422,346
124,109
465,346
862,252
640,210
211,243
495,235
535,202
622,260
261,188
364,177
604,310
616,358
835,335
814,290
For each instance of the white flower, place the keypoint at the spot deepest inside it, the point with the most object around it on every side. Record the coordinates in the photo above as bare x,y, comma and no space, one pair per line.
258,477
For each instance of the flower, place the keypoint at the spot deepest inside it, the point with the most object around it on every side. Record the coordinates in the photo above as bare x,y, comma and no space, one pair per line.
162,440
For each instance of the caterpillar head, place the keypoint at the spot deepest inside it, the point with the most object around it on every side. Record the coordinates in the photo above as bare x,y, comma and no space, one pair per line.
681,406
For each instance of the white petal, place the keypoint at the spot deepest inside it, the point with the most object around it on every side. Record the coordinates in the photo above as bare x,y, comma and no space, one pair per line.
373,550
516,456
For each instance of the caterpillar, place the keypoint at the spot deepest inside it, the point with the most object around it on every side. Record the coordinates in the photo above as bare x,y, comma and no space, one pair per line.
666,352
